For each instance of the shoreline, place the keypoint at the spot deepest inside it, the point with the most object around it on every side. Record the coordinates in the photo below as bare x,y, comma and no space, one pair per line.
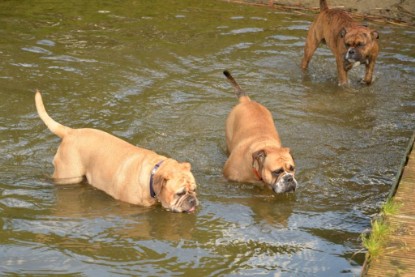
397,12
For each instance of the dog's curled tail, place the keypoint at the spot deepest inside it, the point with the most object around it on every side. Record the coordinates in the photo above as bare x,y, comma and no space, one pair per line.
323,5
239,92
55,127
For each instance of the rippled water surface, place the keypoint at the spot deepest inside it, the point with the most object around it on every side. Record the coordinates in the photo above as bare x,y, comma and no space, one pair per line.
150,72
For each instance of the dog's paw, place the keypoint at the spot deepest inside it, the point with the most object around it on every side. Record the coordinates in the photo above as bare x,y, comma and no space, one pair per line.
363,81
344,84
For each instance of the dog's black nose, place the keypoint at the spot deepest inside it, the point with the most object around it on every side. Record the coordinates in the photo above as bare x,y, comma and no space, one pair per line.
289,178
192,201
352,51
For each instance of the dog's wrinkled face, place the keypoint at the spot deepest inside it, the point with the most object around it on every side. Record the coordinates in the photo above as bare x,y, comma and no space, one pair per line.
277,169
358,42
175,187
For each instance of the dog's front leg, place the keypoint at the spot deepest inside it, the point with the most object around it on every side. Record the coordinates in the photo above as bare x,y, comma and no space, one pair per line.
341,71
369,72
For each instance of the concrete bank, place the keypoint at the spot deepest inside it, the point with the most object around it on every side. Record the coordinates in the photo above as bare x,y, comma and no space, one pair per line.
393,11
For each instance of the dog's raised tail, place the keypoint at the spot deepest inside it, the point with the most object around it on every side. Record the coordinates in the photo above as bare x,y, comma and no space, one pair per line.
55,127
239,92
323,5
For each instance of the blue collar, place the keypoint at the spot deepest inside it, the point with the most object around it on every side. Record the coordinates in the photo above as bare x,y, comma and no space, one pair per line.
153,172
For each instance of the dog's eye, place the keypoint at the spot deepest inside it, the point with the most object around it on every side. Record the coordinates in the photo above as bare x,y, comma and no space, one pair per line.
360,44
278,172
291,168
347,45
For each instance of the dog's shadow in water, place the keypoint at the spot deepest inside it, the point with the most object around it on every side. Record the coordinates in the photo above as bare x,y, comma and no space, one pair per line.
267,206
82,201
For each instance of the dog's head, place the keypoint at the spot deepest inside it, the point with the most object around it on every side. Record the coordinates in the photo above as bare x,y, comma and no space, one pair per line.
175,187
359,44
276,168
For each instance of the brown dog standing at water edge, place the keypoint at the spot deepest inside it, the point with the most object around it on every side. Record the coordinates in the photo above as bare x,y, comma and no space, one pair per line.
255,150
352,44
124,171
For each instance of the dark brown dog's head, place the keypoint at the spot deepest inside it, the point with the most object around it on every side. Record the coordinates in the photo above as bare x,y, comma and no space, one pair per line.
360,45
175,187
276,168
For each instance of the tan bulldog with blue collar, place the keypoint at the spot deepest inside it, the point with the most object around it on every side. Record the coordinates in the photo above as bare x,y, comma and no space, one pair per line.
122,170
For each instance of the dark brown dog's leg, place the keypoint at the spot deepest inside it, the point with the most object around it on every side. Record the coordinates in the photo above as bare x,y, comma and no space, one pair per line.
341,71
369,72
370,66
311,45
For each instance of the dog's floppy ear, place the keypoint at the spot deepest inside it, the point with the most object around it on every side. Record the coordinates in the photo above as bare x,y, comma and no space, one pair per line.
375,34
259,157
288,151
342,32
291,153
158,184
186,166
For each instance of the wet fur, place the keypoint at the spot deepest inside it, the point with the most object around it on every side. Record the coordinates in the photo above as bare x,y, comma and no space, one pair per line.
117,167
254,145
342,35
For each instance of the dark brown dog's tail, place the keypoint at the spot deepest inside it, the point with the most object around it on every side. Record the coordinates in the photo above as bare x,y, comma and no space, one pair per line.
239,92
55,127
323,5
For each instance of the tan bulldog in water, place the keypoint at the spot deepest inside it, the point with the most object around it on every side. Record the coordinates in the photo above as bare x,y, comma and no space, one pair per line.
124,171
255,150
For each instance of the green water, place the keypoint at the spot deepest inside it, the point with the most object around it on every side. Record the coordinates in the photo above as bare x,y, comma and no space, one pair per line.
150,72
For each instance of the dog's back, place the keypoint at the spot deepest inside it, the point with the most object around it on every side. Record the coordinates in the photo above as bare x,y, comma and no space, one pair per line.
248,119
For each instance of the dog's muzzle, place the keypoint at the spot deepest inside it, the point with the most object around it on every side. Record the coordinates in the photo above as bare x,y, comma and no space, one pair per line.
285,183
186,203
351,55
354,57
